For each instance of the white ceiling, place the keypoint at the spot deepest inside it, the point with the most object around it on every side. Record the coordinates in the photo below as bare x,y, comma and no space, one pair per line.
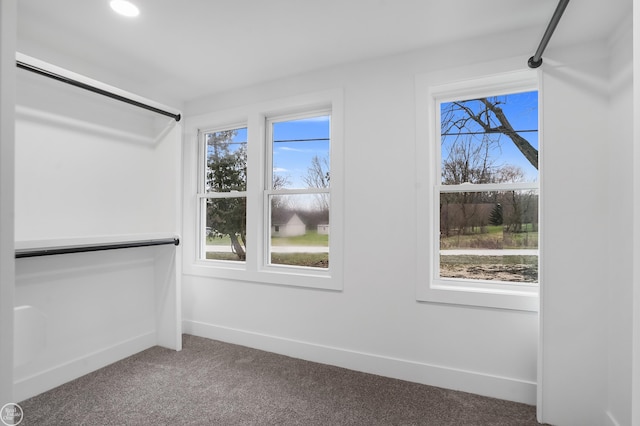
190,48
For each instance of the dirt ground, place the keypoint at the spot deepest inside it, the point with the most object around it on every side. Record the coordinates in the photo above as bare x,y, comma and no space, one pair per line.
511,273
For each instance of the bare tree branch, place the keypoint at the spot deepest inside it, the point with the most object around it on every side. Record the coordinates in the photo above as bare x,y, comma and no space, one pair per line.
505,127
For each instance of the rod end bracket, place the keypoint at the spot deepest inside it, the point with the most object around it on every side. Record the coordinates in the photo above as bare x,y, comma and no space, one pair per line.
533,63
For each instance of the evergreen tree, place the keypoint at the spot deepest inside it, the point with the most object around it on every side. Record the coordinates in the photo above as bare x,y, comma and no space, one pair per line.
495,218
227,172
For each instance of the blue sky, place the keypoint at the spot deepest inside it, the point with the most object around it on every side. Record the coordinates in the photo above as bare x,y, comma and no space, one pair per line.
296,142
521,109
292,157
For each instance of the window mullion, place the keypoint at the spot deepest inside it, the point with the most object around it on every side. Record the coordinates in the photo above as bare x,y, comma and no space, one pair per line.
256,169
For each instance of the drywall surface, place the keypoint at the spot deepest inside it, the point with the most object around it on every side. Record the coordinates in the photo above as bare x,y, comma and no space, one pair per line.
90,170
81,312
375,323
576,198
89,166
7,84
620,267
635,420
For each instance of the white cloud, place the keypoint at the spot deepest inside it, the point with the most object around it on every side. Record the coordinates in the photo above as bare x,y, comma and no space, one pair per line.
286,148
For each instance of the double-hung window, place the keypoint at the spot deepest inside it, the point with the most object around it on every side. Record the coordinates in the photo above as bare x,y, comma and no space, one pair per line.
223,194
297,195
269,193
478,209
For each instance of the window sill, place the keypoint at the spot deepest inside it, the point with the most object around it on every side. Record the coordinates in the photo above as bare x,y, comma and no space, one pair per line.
477,294
294,277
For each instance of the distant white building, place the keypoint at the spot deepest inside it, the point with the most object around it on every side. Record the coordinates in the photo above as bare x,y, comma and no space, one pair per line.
287,224
323,229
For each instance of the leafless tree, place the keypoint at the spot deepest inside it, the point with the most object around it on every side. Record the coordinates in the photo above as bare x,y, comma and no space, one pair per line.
470,162
472,131
318,177
491,118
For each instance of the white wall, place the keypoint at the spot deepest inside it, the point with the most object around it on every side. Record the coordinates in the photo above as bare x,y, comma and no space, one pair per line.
91,170
88,165
578,193
79,312
636,220
620,267
7,83
375,324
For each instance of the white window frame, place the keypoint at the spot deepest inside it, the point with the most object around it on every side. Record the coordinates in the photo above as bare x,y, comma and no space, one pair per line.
202,194
431,90
269,190
256,267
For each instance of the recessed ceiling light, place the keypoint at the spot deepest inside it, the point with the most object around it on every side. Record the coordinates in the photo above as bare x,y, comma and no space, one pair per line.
124,7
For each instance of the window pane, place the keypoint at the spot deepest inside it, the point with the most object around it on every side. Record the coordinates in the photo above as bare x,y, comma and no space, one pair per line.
226,163
225,231
299,230
301,153
489,236
490,140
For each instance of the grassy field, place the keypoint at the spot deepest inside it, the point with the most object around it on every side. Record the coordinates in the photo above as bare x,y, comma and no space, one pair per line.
315,260
311,238
493,237
221,256
499,268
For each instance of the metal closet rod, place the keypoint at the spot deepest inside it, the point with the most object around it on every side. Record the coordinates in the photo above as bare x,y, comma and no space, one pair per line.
94,89
94,247
536,60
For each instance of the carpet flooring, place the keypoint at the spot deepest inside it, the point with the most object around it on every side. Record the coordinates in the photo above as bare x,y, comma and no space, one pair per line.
216,383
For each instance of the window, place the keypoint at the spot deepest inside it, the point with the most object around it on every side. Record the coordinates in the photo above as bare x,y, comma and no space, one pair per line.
268,193
298,193
478,213
223,196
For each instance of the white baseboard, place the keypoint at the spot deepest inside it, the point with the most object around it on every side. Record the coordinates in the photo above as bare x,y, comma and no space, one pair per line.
445,377
45,380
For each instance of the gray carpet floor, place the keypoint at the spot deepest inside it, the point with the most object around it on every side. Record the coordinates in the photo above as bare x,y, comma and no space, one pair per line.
216,383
